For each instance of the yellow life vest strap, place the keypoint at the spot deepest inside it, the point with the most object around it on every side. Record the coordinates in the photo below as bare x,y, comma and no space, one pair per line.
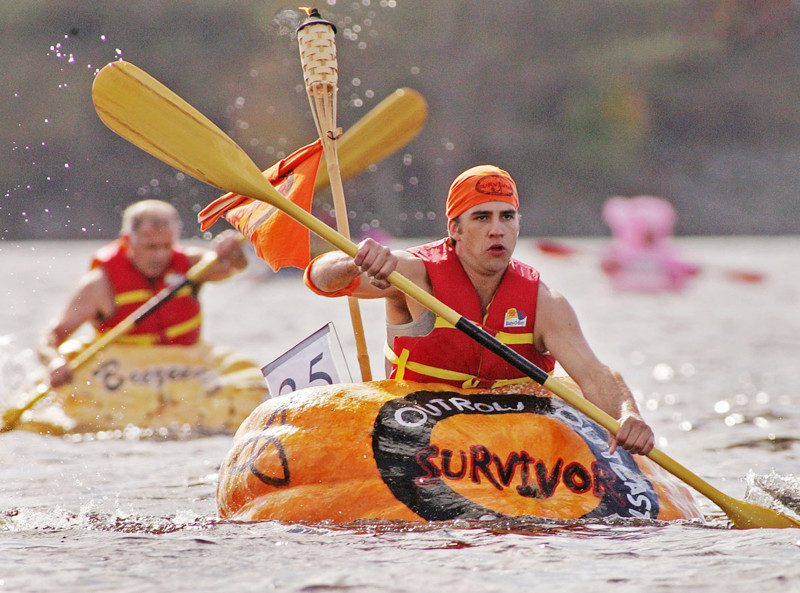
171,333
138,339
184,328
468,381
504,337
141,295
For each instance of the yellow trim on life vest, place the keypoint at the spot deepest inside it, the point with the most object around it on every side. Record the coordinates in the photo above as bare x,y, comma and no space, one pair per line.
442,323
141,295
401,365
171,333
185,327
185,291
469,381
509,338
138,339
505,337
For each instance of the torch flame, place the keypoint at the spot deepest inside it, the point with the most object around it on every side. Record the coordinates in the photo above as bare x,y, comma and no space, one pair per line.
307,9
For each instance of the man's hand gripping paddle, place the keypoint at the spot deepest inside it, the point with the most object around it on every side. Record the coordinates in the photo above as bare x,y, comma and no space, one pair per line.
145,112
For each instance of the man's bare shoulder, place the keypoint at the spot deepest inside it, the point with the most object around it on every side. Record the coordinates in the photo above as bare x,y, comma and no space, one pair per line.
550,301
409,265
95,287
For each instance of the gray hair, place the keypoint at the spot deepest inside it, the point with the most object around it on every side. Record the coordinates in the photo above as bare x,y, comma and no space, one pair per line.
156,213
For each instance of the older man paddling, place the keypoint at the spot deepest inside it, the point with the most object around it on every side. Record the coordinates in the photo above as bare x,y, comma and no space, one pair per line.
129,271
472,271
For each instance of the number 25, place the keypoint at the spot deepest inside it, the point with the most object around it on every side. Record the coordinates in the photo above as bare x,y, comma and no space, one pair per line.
312,376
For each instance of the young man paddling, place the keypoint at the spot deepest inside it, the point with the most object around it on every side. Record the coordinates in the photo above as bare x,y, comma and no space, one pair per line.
126,273
472,271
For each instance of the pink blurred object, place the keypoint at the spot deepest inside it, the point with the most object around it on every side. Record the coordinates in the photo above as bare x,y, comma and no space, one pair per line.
640,258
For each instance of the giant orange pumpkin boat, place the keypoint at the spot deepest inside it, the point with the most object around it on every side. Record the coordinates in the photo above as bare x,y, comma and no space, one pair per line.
411,451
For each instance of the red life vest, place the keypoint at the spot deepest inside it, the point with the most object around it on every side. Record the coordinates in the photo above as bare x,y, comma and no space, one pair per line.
177,321
447,355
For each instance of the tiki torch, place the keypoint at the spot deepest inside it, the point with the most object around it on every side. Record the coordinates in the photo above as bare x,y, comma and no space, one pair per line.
316,39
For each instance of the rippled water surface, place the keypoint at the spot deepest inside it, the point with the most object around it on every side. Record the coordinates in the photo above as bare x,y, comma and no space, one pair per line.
714,369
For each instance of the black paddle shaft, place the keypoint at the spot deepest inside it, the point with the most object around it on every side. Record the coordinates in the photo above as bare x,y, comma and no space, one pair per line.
511,356
150,306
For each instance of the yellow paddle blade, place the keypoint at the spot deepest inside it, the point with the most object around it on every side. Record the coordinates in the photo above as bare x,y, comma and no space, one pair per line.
149,115
12,416
145,112
743,515
386,128
746,515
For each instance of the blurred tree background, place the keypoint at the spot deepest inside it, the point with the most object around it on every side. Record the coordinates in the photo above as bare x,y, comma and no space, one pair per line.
696,101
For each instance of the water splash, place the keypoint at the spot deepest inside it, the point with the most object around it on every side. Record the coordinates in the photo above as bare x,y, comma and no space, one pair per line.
17,366
775,491
89,519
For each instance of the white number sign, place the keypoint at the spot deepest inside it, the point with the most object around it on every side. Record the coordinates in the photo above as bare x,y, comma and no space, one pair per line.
317,360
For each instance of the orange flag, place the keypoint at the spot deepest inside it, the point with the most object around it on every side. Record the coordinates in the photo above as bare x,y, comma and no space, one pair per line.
279,240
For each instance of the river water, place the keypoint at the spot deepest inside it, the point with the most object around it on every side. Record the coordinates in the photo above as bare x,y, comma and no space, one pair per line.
714,369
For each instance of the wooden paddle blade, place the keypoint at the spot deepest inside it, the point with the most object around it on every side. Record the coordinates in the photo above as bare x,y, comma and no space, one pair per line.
743,515
145,112
746,515
12,417
386,128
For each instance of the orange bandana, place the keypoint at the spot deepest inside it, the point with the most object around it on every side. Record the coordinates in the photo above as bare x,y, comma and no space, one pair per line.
478,185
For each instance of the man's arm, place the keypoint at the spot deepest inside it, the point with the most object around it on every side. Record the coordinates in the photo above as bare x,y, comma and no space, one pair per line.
92,300
557,330
231,258
364,277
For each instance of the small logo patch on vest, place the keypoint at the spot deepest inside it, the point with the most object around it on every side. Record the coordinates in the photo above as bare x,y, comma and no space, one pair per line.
515,318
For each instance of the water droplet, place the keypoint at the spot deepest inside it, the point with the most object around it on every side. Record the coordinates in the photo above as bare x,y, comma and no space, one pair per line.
663,372
734,419
722,407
